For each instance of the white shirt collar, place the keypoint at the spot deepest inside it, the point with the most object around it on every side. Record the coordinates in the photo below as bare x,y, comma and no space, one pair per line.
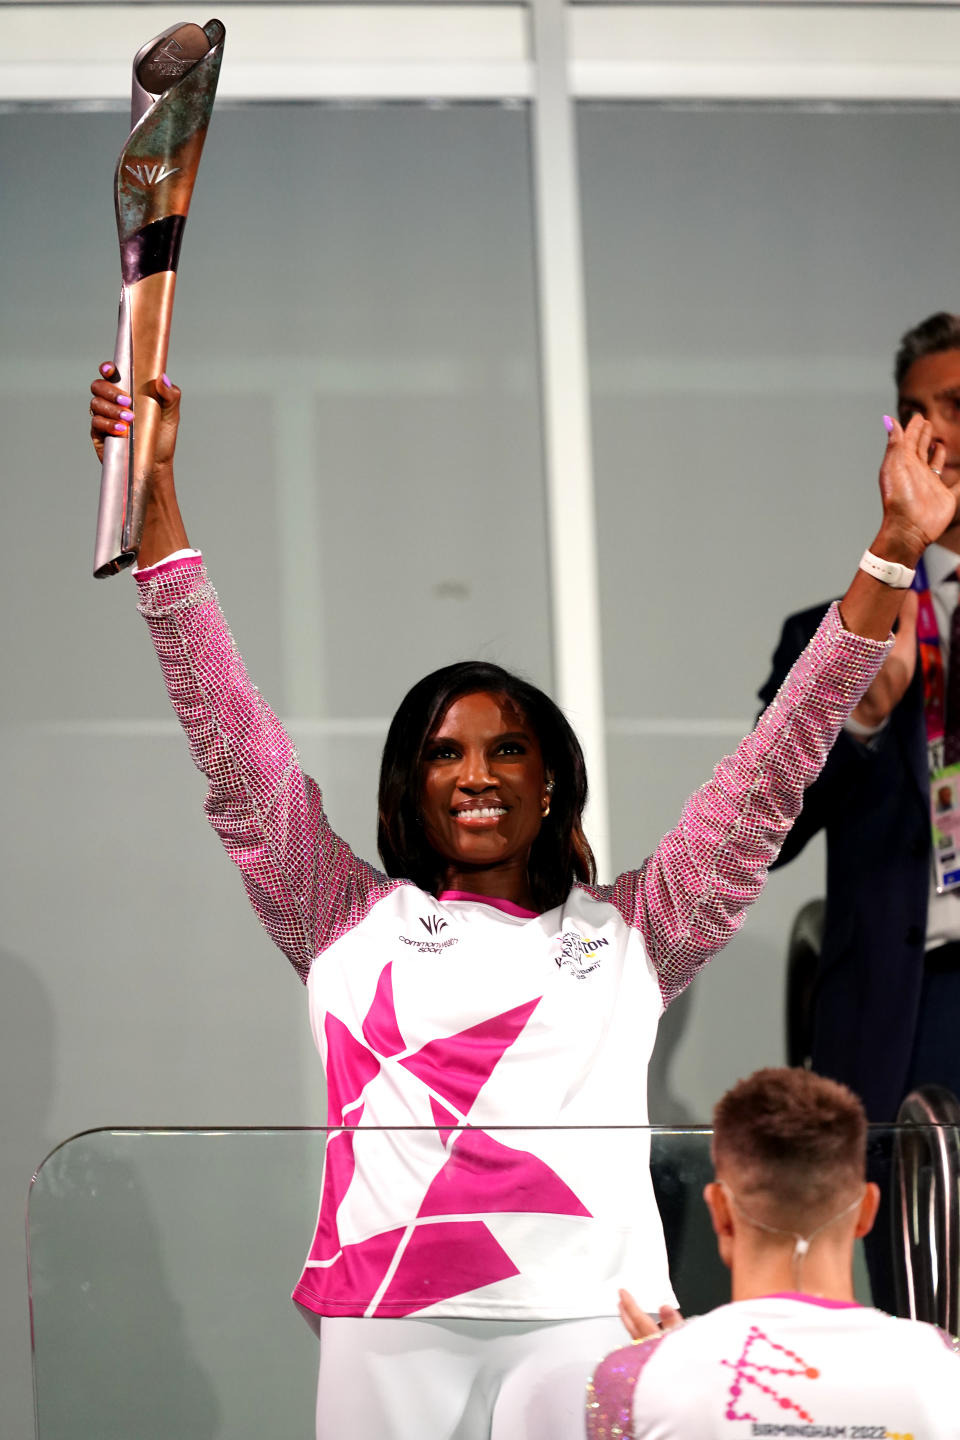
940,563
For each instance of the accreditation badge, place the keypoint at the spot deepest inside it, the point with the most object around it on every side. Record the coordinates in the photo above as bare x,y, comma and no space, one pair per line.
944,779
944,819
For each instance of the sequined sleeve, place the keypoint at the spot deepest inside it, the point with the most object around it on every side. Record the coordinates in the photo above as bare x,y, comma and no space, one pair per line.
304,882
689,898
610,1391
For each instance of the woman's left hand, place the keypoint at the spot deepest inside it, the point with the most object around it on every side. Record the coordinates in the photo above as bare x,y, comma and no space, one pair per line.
917,508
917,505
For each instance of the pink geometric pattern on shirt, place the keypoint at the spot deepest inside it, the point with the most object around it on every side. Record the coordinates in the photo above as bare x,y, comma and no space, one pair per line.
748,1371
351,1283
446,1120
441,1261
483,1176
339,1164
350,1066
458,1066
380,1028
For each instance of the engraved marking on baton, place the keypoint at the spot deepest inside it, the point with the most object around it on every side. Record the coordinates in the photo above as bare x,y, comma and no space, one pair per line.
150,174
171,60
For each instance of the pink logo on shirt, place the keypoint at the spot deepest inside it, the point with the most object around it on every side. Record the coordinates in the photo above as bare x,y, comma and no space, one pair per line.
749,1370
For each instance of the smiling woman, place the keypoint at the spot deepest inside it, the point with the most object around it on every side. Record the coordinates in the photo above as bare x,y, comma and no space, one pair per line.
483,980
472,738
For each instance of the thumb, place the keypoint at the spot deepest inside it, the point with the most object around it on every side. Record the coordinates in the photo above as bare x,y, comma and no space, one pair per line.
165,392
670,1319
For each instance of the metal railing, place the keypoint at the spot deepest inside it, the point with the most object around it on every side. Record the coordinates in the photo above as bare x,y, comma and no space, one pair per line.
926,1210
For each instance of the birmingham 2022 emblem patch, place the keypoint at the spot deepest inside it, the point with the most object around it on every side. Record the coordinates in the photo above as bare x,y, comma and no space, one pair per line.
578,954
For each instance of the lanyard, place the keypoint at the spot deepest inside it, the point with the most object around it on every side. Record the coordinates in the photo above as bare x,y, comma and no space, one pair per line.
931,658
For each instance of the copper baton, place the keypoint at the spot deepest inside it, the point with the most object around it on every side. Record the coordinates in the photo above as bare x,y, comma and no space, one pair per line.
173,89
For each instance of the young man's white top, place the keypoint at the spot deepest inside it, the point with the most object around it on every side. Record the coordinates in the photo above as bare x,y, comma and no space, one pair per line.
781,1365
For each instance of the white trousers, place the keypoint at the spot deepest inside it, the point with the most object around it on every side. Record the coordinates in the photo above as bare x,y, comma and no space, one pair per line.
458,1379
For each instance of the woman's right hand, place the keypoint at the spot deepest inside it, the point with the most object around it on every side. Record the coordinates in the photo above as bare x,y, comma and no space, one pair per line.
110,414
111,410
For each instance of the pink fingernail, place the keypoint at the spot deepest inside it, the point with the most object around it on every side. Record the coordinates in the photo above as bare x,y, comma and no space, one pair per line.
126,414
120,429
106,368
124,400
888,424
166,379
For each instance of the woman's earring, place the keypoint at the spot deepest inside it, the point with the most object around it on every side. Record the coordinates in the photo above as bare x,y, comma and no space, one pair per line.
546,802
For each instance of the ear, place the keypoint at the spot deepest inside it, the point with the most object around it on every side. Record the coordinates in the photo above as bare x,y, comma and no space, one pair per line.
868,1210
715,1199
721,1218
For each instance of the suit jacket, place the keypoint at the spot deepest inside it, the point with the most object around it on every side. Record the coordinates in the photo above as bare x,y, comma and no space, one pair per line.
873,803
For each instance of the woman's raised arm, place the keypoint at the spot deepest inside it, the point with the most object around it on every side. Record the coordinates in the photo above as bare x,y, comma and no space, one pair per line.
691,895
304,882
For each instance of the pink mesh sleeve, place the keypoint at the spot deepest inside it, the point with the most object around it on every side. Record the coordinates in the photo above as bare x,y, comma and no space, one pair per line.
689,898
304,882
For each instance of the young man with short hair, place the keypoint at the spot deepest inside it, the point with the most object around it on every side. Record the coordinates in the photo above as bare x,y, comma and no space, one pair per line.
793,1354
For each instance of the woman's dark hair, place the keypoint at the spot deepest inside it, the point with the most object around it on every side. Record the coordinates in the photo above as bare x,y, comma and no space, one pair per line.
560,854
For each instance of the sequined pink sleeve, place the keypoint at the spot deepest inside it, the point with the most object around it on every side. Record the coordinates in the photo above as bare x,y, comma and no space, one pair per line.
610,1392
689,898
305,883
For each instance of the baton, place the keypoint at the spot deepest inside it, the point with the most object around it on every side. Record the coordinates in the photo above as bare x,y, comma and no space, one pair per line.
173,88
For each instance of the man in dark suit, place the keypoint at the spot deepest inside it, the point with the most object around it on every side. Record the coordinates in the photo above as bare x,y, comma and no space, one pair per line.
887,1000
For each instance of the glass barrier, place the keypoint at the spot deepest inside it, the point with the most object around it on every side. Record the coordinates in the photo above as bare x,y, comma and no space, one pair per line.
161,1264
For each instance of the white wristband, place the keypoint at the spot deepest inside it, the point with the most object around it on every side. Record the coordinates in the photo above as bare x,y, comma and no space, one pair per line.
865,732
898,577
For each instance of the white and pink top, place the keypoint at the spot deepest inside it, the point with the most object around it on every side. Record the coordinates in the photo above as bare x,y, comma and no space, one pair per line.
515,1043
781,1365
